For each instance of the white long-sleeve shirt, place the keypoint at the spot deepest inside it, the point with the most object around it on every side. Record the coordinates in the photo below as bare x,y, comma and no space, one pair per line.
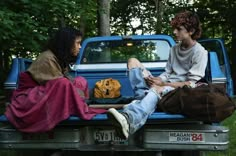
188,65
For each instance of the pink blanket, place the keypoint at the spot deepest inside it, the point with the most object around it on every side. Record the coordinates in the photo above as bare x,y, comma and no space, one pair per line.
39,108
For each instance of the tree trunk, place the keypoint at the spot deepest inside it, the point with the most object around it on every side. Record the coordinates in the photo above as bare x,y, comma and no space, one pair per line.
158,4
104,18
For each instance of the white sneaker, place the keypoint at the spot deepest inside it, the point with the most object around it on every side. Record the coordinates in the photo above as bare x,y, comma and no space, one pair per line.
120,123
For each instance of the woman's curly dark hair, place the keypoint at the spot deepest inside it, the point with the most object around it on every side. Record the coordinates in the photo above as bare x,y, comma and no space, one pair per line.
190,21
62,43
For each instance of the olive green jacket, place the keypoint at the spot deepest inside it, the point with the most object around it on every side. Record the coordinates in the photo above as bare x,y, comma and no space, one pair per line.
45,67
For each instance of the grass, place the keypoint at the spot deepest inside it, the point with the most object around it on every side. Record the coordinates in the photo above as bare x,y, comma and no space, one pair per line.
231,124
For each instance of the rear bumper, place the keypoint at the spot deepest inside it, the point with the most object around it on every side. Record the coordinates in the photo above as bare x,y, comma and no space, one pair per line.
95,135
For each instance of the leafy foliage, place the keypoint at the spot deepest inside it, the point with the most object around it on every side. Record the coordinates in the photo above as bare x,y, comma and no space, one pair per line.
218,19
26,24
144,16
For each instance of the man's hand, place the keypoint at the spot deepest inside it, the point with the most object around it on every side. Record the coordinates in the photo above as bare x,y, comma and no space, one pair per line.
154,81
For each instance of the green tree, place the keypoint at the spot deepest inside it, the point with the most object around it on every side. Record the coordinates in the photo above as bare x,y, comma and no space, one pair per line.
218,19
26,25
144,16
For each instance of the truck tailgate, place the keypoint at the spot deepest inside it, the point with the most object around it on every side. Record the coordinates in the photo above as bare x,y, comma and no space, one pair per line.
174,133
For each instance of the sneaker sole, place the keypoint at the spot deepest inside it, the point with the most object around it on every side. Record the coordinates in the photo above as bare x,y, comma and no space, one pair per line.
118,126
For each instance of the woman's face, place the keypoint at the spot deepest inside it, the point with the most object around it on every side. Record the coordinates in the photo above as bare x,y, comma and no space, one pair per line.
76,47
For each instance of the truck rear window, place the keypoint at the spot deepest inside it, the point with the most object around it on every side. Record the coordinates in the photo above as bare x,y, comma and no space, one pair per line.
121,50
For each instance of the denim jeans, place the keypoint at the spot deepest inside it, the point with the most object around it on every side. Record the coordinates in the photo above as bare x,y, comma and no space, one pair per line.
138,84
139,110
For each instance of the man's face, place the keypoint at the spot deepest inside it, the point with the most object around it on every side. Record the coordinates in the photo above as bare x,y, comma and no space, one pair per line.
181,33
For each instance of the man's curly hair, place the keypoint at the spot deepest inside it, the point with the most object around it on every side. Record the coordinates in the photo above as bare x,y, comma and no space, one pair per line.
190,21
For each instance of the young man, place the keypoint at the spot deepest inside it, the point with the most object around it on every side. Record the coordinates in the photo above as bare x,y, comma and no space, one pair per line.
186,65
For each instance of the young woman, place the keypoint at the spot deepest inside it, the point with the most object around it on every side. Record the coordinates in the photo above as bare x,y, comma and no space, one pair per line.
47,94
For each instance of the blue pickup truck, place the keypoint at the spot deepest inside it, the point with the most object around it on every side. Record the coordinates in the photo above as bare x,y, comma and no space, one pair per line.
106,57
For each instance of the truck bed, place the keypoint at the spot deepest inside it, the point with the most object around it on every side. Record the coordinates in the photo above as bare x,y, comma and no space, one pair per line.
162,131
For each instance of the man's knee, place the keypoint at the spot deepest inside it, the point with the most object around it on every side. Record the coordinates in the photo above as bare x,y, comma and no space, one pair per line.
81,82
133,63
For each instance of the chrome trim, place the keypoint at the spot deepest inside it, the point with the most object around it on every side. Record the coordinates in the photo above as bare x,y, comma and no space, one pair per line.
219,80
114,66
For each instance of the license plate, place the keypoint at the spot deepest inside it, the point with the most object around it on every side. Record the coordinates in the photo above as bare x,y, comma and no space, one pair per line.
108,136
186,137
